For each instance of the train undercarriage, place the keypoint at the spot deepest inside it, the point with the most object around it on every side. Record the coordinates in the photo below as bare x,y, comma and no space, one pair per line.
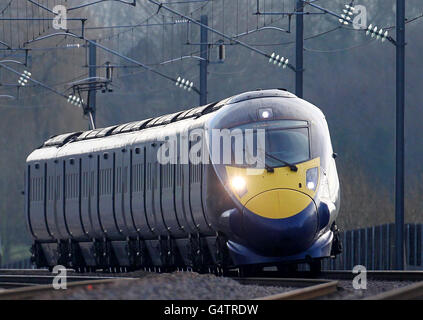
196,253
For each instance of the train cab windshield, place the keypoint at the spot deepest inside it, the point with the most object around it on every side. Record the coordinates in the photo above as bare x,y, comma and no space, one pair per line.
286,142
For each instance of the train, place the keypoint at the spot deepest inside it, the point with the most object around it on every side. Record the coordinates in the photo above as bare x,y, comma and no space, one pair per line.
245,182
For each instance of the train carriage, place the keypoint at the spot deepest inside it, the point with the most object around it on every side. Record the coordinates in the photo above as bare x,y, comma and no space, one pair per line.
155,194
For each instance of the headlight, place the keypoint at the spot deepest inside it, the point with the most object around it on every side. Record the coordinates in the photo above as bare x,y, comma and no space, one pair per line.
239,185
312,176
265,114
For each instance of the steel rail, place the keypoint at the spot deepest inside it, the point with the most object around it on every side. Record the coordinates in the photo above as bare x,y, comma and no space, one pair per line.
34,279
411,292
31,292
382,275
305,289
306,293
281,282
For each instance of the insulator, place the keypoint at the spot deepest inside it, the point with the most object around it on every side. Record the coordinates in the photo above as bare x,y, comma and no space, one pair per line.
222,52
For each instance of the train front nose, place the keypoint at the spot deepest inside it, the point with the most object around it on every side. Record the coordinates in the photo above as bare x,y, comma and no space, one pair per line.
276,214
280,221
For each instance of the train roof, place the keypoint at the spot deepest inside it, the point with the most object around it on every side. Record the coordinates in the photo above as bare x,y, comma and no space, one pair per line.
196,112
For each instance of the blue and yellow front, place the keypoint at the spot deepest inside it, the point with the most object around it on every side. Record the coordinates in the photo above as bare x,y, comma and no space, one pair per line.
281,215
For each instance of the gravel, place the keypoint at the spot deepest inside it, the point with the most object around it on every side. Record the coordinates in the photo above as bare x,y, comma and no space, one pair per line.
347,292
168,286
194,286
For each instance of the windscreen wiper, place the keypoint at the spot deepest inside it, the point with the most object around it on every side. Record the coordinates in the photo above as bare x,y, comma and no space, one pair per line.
268,168
291,166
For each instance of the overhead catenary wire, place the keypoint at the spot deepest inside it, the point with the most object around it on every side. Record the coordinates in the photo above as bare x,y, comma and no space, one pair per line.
114,52
132,32
362,44
222,34
42,85
161,16
341,49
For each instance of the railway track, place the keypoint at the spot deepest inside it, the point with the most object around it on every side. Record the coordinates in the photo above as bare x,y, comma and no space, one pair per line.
382,275
409,292
30,292
305,289
309,288
24,280
27,284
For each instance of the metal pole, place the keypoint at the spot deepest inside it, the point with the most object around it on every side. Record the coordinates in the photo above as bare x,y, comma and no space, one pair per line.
299,47
92,61
204,47
400,99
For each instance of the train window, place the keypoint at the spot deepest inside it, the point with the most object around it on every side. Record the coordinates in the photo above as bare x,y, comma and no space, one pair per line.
137,177
37,189
287,140
166,176
105,181
290,145
71,186
58,192
178,174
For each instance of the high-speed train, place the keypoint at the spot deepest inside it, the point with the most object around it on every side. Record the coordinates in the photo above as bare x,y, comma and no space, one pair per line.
181,190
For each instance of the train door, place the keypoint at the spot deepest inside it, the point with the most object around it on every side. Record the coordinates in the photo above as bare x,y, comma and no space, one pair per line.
138,192
167,185
54,205
72,209
122,194
89,196
106,195
195,183
36,197
152,199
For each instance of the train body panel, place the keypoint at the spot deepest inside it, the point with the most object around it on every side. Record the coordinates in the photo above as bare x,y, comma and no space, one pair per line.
89,191
159,193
